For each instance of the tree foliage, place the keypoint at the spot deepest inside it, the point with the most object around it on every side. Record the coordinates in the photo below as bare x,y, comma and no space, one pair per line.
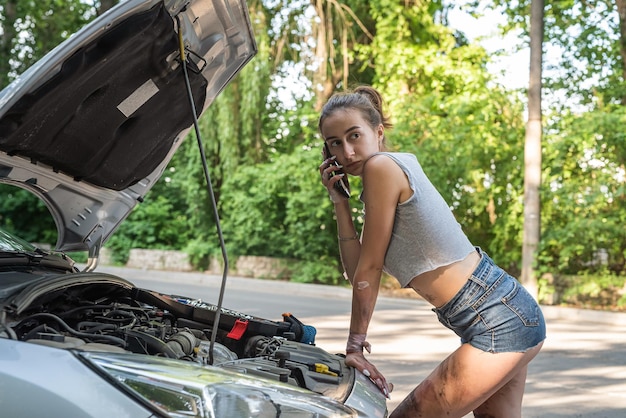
31,28
584,166
585,213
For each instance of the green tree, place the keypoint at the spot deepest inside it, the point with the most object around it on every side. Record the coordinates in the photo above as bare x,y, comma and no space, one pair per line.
583,174
31,28
232,135
26,216
280,209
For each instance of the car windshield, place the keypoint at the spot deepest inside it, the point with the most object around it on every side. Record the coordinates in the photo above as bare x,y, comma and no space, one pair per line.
11,243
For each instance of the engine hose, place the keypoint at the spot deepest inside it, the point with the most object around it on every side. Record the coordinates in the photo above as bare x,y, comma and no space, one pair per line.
153,343
39,328
111,339
90,326
85,308
119,312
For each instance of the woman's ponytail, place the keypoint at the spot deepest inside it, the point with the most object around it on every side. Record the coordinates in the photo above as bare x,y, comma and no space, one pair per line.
376,99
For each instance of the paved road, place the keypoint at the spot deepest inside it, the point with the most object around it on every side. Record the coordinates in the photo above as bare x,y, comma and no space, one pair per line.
581,371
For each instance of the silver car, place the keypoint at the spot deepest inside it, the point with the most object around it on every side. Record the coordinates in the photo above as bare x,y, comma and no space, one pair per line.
89,129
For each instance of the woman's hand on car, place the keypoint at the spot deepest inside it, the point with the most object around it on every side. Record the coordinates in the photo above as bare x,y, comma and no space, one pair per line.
359,362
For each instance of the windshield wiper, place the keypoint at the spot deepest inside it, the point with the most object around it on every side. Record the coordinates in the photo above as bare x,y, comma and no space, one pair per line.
37,258
15,258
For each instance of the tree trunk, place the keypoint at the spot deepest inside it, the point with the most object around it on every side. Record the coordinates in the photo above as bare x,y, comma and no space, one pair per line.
532,153
621,11
326,76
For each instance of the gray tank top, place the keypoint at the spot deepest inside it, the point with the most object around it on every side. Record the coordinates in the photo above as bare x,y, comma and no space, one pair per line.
425,235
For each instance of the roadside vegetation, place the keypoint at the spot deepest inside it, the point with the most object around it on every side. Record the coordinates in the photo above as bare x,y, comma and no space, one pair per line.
462,121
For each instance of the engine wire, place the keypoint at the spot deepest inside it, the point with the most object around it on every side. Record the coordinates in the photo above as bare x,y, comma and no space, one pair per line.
183,59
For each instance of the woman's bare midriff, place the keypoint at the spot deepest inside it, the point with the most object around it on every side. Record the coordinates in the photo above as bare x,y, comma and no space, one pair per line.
440,285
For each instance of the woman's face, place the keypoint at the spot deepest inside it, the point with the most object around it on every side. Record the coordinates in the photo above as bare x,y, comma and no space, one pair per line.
351,139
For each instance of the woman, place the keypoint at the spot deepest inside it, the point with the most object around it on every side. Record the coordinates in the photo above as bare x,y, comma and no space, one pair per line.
410,232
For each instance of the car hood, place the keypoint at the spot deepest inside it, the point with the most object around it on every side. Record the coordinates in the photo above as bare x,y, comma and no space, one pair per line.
91,127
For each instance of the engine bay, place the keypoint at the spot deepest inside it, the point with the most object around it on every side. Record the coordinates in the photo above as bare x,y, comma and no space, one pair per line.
114,316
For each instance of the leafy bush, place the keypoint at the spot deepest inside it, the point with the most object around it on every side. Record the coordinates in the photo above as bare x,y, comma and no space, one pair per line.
598,291
318,271
152,224
280,209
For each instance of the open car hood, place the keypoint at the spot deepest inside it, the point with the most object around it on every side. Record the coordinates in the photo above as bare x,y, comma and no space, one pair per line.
91,127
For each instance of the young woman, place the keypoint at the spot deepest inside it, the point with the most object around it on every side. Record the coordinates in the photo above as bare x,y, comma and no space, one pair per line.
411,233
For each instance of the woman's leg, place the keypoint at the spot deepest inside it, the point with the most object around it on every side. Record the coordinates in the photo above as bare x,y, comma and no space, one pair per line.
505,402
465,381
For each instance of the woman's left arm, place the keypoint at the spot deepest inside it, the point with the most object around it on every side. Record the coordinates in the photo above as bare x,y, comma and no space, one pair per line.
383,182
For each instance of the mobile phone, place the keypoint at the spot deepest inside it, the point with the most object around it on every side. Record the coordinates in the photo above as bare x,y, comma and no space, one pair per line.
342,185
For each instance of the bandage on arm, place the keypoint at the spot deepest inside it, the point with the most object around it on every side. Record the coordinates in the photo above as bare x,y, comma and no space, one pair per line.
356,343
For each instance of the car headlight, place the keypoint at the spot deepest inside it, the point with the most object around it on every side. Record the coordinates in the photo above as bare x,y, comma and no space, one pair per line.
183,389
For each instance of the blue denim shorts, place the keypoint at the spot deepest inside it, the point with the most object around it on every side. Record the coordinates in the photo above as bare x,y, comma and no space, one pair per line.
493,312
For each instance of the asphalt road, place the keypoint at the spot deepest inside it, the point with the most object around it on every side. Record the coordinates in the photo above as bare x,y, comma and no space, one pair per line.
580,372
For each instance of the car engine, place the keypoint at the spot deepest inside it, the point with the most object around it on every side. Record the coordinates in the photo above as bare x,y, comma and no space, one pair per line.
110,314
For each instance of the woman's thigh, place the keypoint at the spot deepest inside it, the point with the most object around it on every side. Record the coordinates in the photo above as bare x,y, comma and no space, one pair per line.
463,382
507,401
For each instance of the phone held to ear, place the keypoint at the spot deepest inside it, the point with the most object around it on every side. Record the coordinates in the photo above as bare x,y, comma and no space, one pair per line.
342,185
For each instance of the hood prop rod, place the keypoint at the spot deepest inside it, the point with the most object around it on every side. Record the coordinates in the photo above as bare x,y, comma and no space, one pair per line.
207,176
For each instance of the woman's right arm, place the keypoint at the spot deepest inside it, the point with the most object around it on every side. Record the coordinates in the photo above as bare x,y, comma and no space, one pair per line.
349,242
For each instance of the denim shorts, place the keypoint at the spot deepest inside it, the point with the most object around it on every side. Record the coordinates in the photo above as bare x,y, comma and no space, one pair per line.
493,312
